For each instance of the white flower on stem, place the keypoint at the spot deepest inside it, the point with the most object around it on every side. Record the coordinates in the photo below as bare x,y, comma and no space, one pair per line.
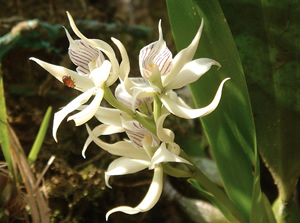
142,150
93,73
143,104
164,74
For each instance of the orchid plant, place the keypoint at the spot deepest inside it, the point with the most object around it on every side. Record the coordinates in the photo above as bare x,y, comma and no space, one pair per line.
140,106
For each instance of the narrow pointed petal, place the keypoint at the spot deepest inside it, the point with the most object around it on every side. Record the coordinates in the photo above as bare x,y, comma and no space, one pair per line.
183,112
86,114
125,65
121,148
109,116
123,166
82,83
191,72
174,97
183,57
101,45
163,155
101,130
150,199
165,135
72,106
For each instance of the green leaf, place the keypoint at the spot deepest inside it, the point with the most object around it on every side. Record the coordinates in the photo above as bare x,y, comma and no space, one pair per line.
4,137
230,129
40,137
214,201
269,47
261,210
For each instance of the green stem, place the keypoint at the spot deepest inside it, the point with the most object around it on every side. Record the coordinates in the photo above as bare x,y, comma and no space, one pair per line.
175,172
202,179
156,107
218,194
110,98
145,123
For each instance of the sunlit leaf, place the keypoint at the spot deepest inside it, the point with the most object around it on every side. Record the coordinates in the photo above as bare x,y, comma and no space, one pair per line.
230,129
267,35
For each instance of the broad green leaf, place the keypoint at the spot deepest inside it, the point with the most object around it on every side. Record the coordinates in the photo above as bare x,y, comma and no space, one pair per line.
261,210
230,129
267,35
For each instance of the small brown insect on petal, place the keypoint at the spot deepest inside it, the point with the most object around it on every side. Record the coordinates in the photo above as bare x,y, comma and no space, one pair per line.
68,81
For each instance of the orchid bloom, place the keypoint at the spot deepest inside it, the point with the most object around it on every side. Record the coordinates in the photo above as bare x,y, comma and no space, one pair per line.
143,104
93,73
142,150
163,74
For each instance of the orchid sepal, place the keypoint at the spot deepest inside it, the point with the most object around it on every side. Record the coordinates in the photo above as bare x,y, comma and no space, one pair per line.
187,113
149,200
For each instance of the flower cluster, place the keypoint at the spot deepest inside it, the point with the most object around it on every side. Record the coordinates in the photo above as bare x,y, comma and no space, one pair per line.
140,104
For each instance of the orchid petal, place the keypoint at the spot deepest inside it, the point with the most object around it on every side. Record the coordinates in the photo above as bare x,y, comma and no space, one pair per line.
82,83
191,72
101,130
146,93
137,132
174,97
121,148
86,114
73,105
123,166
174,148
155,53
183,112
125,65
100,74
149,200
183,57
101,45
129,100
165,135
163,155
81,54
109,116
122,96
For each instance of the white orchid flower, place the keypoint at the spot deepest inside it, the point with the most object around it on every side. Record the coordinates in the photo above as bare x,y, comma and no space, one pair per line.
143,104
93,73
164,74
142,150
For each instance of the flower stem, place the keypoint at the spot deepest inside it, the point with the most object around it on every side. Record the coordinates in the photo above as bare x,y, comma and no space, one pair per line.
218,194
145,123
110,98
156,107
212,188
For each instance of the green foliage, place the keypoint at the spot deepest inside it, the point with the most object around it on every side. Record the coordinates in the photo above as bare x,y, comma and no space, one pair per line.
269,49
267,36
40,137
4,137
